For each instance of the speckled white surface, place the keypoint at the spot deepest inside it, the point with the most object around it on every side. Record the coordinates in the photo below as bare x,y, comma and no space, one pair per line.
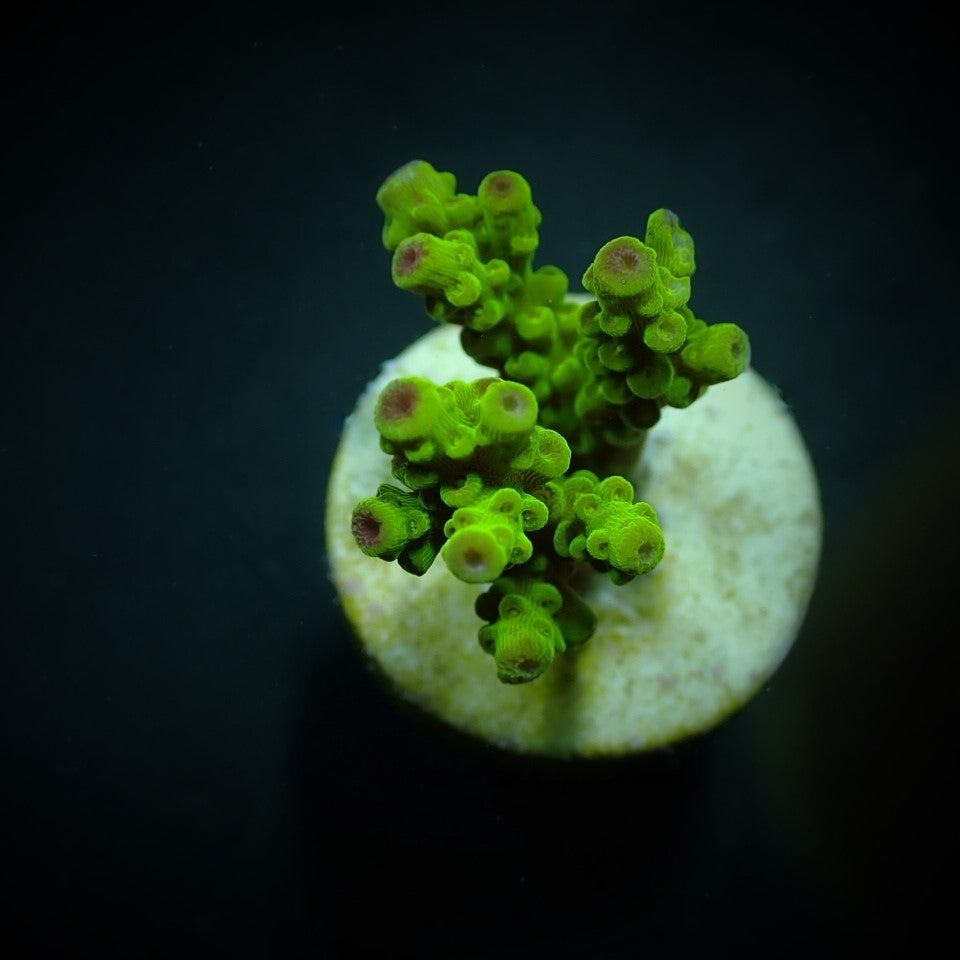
675,651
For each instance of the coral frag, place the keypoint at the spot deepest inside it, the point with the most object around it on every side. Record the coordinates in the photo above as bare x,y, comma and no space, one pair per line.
516,480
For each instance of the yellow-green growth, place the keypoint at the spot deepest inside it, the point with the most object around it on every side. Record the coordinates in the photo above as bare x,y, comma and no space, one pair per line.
489,534
422,420
599,521
397,525
510,219
517,478
625,269
641,342
672,244
532,617
506,411
523,637
417,198
719,353
455,283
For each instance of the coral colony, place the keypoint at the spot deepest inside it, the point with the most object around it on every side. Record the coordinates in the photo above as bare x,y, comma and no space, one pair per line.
516,480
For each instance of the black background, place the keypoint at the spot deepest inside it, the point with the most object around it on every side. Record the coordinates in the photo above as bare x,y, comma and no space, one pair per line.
196,760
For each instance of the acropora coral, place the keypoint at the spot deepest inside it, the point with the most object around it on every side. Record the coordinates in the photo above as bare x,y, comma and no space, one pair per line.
516,480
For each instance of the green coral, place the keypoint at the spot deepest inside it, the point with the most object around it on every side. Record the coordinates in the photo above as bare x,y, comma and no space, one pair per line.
490,533
516,480
533,615
598,521
641,340
398,525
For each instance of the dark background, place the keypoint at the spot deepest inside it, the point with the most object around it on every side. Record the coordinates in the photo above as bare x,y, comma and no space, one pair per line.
196,760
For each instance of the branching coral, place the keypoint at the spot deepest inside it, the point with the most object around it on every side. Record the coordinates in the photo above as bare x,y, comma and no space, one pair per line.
515,480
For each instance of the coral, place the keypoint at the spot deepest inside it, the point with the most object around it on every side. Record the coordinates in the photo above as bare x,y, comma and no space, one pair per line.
516,480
